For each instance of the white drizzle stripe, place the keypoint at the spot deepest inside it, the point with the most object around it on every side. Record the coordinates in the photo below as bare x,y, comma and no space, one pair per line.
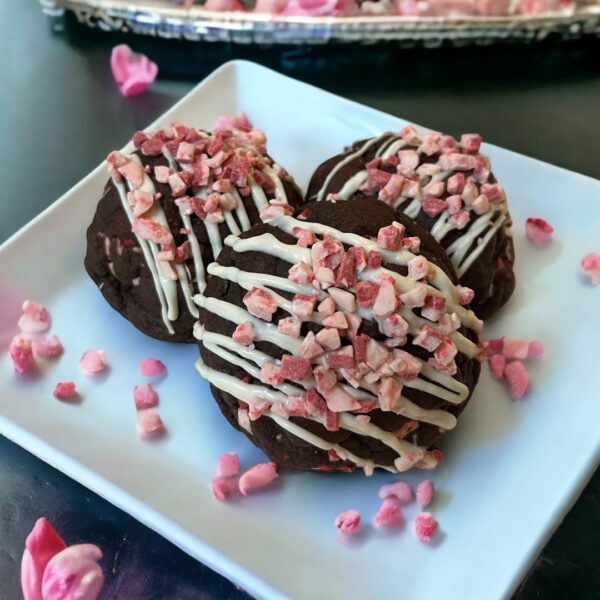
149,258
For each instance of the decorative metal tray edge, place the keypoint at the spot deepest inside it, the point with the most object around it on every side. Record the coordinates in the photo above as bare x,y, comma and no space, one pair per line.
162,19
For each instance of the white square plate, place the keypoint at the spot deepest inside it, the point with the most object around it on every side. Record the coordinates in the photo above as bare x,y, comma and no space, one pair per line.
511,469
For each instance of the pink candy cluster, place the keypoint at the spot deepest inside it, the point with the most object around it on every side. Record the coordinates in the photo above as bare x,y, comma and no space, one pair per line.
149,423
406,8
506,362
347,355
400,174
51,570
394,496
228,482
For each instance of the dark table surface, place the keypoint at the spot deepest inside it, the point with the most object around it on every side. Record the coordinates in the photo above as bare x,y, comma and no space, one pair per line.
60,114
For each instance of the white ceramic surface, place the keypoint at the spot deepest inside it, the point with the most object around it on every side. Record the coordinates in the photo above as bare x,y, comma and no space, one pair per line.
511,469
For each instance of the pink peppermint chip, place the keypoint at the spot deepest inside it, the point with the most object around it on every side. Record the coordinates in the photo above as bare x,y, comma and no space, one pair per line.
93,362
21,355
145,396
590,265
64,389
46,347
35,318
389,513
348,522
149,424
133,72
399,490
535,350
497,365
425,526
228,465
424,493
538,231
223,487
257,477
517,379
150,367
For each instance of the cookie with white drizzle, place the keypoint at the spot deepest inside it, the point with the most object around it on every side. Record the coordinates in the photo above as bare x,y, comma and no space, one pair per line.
448,187
338,339
170,202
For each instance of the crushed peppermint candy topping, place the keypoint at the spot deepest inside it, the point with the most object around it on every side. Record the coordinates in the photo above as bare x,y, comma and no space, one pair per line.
151,367
49,347
399,490
228,465
149,424
424,493
145,396
21,355
257,477
93,362
35,318
389,513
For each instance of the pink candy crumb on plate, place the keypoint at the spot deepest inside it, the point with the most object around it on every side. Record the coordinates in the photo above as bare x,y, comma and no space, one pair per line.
35,318
228,465
93,362
538,231
151,367
145,396
149,424
590,265
21,355
65,389
257,477
348,522
133,72
389,513
424,493
425,526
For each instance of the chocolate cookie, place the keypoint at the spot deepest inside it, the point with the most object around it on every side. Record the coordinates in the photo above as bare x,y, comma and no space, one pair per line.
165,213
448,188
338,339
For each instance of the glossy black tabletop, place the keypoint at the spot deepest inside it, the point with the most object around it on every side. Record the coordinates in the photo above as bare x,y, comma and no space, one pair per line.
60,114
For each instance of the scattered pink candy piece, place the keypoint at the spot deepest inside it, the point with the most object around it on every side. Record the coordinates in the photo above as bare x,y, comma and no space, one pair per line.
348,522
538,231
257,477
515,349
21,355
535,350
425,526
590,265
149,424
150,367
145,396
64,389
74,574
41,545
399,490
93,362
497,364
223,487
389,513
223,5
133,72
228,465
424,493
517,378
35,318
225,123
46,347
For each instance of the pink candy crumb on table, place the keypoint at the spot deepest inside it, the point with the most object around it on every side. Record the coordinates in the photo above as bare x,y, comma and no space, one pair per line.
151,367
590,265
538,231
348,522
425,526
93,362
64,390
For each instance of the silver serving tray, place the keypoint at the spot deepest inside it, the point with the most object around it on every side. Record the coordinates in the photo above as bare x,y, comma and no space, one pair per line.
164,19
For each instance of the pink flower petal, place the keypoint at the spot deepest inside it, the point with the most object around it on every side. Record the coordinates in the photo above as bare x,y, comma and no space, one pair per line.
257,477
149,424
590,265
21,355
424,493
538,231
145,396
93,362
348,522
150,367
74,574
64,389
389,513
228,465
49,347
425,526
133,72
35,318
41,545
